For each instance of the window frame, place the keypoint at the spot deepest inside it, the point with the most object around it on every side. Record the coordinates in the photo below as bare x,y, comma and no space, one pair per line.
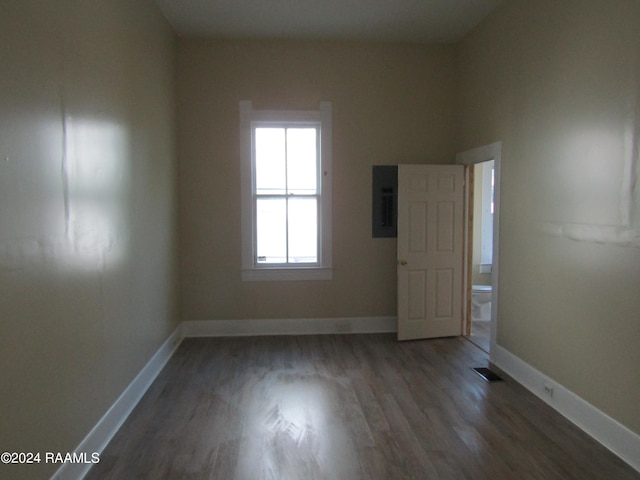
251,270
487,216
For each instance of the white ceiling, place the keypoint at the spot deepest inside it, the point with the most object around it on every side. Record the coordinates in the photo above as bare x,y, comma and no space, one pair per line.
424,21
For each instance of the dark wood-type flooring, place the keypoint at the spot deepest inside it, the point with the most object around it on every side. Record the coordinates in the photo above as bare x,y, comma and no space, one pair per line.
481,334
344,407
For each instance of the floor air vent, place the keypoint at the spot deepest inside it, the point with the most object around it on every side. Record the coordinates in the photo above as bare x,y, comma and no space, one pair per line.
487,374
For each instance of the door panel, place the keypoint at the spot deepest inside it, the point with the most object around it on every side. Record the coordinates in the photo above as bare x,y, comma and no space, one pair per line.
444,293
445,226
430,250
417,300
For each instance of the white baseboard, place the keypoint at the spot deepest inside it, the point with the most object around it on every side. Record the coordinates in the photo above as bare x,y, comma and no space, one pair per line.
613,435
108,425
290,326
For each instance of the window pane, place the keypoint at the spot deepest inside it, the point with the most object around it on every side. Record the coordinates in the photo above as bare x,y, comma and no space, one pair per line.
270,160
303,230
301,160
271,223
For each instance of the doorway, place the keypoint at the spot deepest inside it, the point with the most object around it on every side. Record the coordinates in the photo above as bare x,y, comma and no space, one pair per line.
482,262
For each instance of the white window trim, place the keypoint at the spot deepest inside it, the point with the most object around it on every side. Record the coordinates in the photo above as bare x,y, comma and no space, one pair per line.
250,270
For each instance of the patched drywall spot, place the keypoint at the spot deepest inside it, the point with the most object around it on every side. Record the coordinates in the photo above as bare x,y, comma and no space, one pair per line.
613,235
627,233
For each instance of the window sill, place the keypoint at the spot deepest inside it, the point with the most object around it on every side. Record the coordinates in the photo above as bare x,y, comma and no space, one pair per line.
286,274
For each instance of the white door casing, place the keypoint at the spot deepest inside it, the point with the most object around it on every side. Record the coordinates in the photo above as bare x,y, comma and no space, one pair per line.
481,154
430,250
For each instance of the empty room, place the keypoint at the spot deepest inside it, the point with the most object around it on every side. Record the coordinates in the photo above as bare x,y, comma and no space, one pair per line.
297,239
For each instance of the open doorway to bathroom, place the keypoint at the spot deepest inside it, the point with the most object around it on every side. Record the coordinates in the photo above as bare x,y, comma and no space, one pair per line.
482,252
482,242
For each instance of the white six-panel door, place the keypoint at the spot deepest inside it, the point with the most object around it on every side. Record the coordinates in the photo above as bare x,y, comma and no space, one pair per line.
430,250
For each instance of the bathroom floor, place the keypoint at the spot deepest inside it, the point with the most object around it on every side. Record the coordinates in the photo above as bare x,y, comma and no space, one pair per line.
480,334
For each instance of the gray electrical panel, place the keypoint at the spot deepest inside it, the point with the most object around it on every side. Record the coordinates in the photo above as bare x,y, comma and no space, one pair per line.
385,201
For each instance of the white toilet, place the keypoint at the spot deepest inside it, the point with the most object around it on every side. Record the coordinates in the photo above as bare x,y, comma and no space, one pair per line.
481,302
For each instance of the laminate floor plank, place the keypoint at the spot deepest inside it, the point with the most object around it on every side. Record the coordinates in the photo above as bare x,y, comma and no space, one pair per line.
344,407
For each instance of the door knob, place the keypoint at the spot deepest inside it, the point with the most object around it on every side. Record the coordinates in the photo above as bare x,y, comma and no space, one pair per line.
402,262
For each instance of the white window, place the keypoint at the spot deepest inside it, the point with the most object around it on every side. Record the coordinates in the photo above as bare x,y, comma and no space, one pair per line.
286,193
488,187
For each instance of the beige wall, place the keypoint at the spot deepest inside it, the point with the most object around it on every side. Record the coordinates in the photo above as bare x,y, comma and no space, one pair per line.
87,213
87,205
391,104
559,83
